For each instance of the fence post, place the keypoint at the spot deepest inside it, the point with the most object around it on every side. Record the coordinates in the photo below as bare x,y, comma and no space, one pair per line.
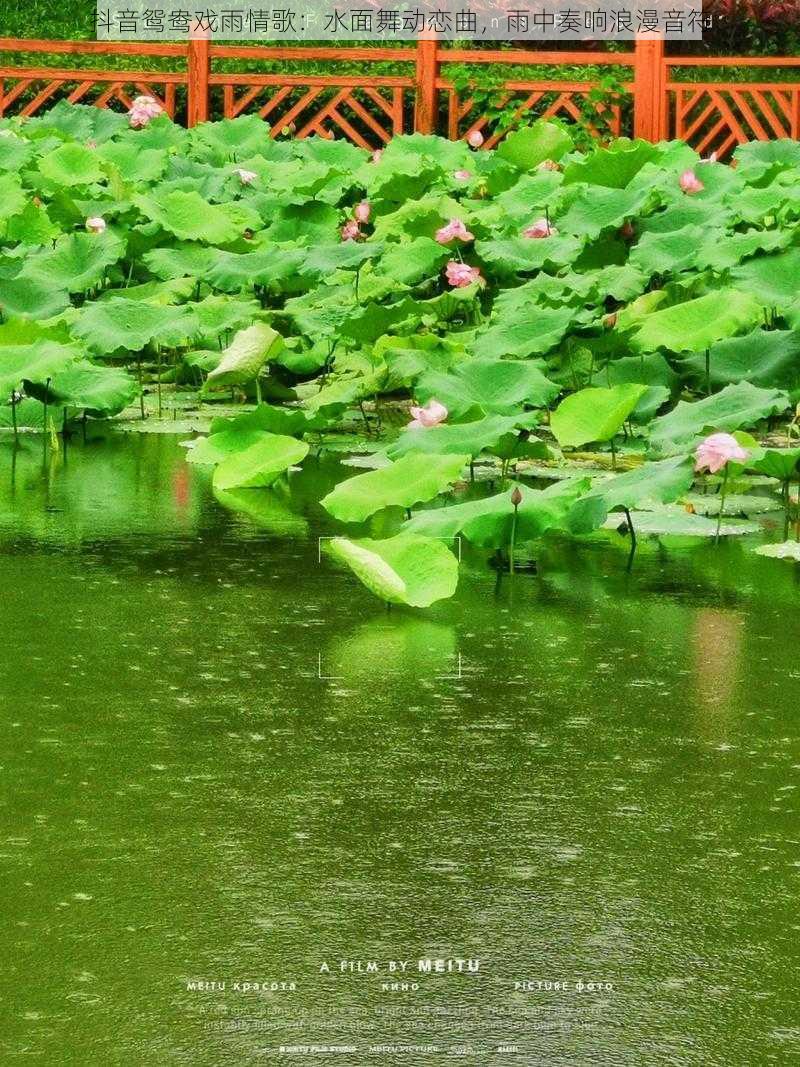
198,69
648,90
425,86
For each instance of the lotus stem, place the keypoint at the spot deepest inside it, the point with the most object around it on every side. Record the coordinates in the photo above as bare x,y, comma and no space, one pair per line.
631,528
14,413
786,509
158,373
613,455
141,385
258,391
708,372
721,504
512,543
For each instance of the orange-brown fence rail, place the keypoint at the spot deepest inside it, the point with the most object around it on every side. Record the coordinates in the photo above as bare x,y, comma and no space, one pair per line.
368,108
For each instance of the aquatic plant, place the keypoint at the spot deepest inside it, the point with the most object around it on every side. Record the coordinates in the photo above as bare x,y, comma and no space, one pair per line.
543,313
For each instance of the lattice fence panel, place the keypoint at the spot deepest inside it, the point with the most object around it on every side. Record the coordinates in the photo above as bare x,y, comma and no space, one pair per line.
368,115
718,117
530,101
29,92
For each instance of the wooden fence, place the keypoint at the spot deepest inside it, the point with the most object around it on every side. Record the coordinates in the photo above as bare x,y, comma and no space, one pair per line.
369,109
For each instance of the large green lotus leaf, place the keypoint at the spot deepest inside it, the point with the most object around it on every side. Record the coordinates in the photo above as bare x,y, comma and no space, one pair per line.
175,291
757,205
78,122
645,487
192,218
720,253
734,407
594,414
29,298
77,261
372,320
405,569
765,358
419,218
413,261
35,363
109,325
211,450
527,199
677,522
32,226
224,314
99,391
596,209
773,279
781,463
260,464
531,331
471,438
531,145
243,359
181,261
783,550
14,152
755,158
488,522
488,386
651,370
271,265
666,253
614,166
400,178
12,197
324,259
697,324
289,421
747,504
29,415
218,142
134,164
411,480
71,164
408,357
310,223
520,255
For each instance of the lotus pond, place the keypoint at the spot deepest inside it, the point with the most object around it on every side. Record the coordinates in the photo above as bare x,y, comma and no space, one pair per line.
540,404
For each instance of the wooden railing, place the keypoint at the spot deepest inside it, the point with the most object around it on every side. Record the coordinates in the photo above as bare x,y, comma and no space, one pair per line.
369,108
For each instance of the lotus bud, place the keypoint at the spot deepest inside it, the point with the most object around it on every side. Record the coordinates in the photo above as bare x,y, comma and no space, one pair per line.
96,224
475,138
516,497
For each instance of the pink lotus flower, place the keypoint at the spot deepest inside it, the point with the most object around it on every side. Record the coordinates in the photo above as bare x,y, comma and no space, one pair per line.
142,110
96,224
548,164
716,451
363,211
246,177
91,144
475,138
460,275
455,230
462,175
540,228
690,183
430,415
351,230
377,155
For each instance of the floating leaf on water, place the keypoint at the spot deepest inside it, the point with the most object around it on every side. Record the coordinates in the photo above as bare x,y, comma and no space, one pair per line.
411,480
405,569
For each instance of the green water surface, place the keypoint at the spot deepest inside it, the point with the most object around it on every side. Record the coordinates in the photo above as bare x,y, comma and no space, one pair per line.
586,775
